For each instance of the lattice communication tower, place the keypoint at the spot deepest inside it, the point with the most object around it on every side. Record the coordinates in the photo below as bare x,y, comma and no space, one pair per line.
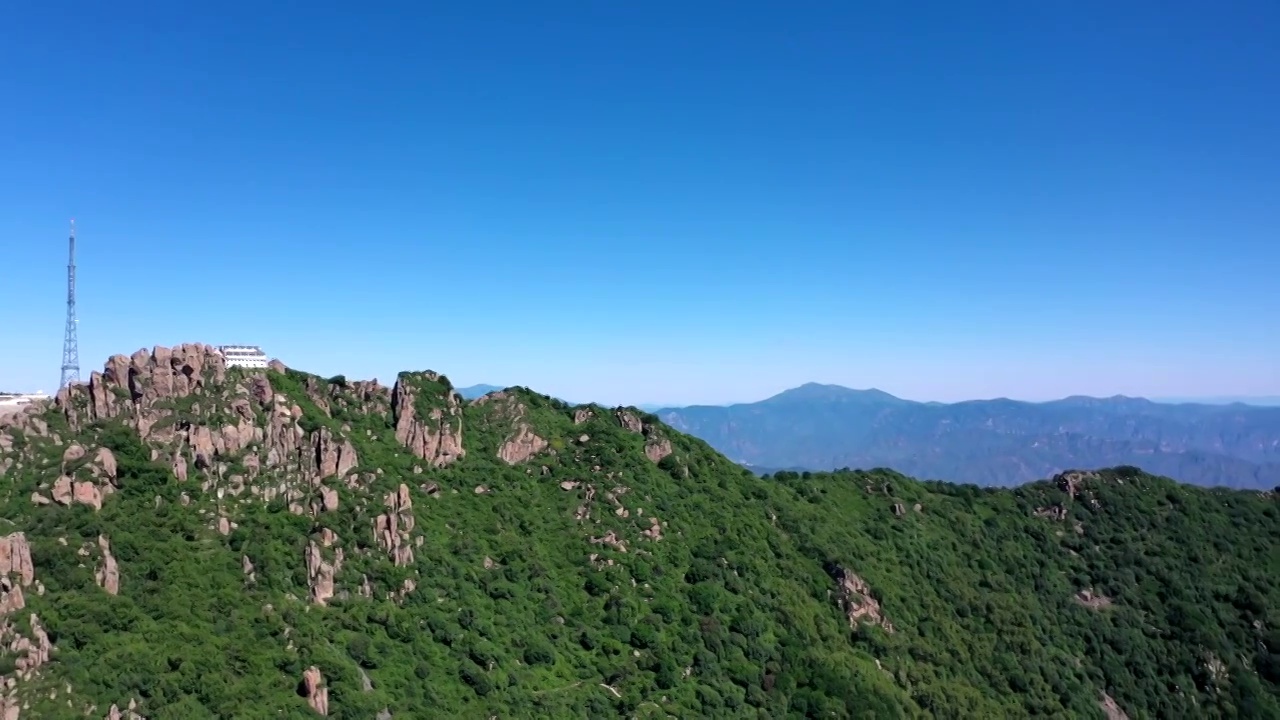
70,344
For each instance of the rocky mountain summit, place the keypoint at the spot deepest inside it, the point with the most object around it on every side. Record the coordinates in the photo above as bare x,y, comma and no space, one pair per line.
187,540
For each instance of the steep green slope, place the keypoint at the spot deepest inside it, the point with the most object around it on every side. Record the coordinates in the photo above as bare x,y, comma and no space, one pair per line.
213,543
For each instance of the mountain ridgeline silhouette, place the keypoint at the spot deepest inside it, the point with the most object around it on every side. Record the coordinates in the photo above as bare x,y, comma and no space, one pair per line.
992,442
471,392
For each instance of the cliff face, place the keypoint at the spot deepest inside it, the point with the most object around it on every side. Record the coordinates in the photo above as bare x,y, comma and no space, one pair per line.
345,548
428,418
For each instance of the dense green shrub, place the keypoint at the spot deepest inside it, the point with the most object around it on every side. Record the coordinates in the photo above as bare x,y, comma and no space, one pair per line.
734,612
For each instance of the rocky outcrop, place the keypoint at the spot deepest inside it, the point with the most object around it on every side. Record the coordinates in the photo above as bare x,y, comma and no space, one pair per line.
314,691
328,499
436,438
856,600
127,384
657,448
392,529
522,443
280,449
71,454
656,445
145,390
1110,709
32,649
1053,512
26,422
321,574
612,540
1070,481
584,510
66,491
260,390
521,446
654,532
101,468
16,572
245,423
104,464
370,394
582,415
629,420
86,493
614,496
334,456
108,574
361,395
1092,600
284,437
61,490
129,713
317,390
12,598
15,558
209,444
200,420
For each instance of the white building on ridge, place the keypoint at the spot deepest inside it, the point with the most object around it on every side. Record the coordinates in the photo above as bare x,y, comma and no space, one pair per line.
13,403
246,356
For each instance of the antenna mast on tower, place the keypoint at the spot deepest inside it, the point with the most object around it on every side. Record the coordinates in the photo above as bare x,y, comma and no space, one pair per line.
70,345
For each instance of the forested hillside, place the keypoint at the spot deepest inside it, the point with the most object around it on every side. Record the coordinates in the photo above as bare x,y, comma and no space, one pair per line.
993,442
186,541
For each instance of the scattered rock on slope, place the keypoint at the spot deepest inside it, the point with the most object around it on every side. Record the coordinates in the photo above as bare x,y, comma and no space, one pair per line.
314,691
1110,708
656,446
393,528
108,574
857,601
15,557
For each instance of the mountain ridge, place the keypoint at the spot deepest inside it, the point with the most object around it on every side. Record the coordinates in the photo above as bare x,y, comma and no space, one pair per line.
471,392
810,392
814,388
346,549
992,442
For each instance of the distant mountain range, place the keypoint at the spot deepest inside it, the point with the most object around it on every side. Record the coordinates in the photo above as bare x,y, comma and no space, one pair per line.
1259,400
472,392
992,442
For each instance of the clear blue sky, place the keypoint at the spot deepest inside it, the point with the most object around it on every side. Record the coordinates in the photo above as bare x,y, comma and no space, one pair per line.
655,202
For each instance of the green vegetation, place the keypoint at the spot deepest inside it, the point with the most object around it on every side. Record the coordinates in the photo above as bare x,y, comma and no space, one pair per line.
734,612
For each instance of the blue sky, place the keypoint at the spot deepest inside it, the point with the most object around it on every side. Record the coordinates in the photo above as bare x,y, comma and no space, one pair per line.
663,202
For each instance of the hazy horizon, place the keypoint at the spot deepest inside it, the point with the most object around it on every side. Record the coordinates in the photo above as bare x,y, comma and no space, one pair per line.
615,397
1256,401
